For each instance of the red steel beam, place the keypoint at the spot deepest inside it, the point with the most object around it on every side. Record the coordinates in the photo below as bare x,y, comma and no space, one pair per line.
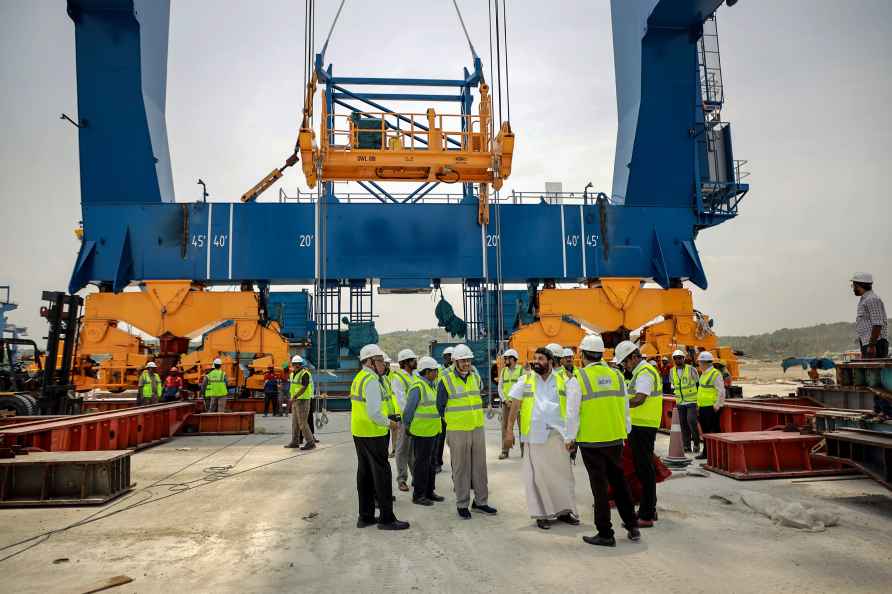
736,416
230,423
254,405
115,430
765,455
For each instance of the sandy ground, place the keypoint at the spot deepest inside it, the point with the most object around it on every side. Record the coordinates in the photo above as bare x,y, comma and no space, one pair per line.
282,521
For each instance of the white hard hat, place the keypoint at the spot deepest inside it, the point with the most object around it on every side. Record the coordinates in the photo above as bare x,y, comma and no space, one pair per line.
448,350
297,359
862,277
511,353
426,363
556,349
369,351
151,364
624,349
705,356
462,351
679,353
592,343
387,358
405,355
567,352
217,361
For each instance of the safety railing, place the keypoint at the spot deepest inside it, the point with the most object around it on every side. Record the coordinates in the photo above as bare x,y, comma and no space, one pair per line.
386,131
512,197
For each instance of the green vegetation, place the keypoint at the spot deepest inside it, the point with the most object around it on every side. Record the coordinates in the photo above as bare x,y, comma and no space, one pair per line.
417,340
812,341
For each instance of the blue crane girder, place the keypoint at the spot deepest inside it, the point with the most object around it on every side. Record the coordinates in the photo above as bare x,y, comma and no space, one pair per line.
403,245
133,230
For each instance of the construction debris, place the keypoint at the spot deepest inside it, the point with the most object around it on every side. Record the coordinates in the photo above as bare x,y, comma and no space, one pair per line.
793,514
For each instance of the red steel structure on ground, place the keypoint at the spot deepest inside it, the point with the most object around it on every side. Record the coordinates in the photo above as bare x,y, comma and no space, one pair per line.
115,430
231,423
766,454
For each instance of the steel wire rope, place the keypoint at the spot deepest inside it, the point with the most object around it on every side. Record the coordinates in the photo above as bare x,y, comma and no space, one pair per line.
465,29
507,84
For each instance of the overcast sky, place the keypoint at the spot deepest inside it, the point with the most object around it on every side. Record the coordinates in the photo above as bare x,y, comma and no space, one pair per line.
807,86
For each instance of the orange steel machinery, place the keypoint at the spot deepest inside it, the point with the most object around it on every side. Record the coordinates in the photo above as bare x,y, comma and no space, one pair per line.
174,312
613,308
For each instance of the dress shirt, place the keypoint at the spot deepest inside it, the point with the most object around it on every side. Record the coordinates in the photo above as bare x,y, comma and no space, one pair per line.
546,414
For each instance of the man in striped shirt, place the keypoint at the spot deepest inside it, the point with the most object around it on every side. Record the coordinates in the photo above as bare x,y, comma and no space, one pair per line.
871,323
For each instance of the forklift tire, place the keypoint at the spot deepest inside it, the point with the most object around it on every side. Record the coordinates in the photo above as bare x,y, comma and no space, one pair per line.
19,406
32,401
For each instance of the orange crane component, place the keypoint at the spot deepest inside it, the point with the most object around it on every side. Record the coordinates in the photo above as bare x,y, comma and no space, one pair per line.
268,346
271,178
368,146
619,305
126,354
174,312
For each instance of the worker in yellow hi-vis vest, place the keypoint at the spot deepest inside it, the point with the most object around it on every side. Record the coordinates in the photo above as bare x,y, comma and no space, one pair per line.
646,412
710,397
598,423
214,388
684,380
301,393
149,389
460,402
370,422
509,376
422,421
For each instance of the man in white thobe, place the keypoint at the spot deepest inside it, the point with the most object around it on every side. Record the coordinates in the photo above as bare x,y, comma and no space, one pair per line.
547,471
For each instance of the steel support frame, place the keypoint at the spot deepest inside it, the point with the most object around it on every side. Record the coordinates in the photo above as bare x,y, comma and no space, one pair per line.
136,427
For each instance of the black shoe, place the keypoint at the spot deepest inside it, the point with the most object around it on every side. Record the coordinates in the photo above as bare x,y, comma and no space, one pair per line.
600,541
503,455
543,524
309,446
634,534
484,509
464,513
365,522
422,501
687,450
395,525
292,445
701,456
569,518
436,498
438,469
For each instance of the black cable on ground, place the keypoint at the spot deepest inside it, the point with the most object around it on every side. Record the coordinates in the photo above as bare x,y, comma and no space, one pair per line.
187,486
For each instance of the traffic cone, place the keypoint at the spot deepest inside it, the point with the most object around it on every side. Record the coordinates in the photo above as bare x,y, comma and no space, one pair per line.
676,457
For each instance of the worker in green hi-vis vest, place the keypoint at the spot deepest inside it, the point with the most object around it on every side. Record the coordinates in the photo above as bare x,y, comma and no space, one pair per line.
214,388
148,391
300,391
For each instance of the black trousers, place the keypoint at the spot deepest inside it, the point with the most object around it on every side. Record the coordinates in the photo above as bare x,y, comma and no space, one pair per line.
641,440
882,349
604,467
272,400
709,422
441,443
373,478
423,475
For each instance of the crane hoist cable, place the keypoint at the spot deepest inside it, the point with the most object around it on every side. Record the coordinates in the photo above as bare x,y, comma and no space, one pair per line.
309,29
465,29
